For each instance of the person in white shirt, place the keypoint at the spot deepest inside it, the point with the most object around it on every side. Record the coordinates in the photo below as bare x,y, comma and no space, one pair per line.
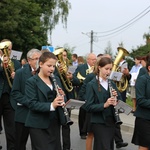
134,73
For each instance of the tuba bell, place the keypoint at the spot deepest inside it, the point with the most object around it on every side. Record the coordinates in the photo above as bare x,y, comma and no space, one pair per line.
123,83
9,66
63,73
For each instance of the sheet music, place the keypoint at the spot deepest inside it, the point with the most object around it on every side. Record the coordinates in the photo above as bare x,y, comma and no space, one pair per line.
72,69
74,104
116,76
16,54
122,106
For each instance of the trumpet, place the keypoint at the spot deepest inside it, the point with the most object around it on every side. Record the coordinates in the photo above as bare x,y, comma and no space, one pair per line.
117,118
67,118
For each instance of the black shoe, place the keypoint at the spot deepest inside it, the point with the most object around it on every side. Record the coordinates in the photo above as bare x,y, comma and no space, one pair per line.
121,144
0,147
83,137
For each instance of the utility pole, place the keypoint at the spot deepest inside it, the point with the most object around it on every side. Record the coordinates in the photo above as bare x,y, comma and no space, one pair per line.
91,49
91,36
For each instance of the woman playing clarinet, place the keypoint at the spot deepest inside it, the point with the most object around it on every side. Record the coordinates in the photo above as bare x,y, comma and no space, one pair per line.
44,105
100,102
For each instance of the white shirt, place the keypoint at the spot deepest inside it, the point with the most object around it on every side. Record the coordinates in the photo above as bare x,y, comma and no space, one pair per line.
104,83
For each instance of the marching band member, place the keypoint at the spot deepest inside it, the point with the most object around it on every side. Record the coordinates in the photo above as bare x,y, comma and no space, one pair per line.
6,108
44,105
66,139
18,95
141,134
101,106
83,70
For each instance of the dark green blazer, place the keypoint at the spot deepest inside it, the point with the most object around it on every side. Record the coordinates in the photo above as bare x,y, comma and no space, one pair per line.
82,92
142,71
143,97
95,102
4,86
18,93
39,98
82,70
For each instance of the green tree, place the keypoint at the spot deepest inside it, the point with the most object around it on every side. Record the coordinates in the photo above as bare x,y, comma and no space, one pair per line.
108,49
24,23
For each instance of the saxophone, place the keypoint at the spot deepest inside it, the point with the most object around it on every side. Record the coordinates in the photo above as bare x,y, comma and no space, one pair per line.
9,66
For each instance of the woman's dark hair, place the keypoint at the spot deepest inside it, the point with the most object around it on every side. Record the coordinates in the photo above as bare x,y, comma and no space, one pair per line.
147,64
101,62
45,56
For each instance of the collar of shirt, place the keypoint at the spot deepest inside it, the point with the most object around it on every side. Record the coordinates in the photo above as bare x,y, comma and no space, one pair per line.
104,83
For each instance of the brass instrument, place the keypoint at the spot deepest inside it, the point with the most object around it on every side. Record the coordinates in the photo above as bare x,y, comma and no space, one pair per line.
117,118
88,71
123,83
67,118
9,66
63,74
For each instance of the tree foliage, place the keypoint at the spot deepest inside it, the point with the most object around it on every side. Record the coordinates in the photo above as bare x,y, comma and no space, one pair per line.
108,49
26,22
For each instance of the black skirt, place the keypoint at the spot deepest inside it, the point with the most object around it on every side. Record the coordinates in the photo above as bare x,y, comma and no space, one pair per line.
87,127
141,135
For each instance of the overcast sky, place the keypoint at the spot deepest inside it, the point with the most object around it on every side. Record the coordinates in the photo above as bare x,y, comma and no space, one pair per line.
129,18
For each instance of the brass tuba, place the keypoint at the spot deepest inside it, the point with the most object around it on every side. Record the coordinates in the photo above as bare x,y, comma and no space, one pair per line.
123,83
9,66
63,73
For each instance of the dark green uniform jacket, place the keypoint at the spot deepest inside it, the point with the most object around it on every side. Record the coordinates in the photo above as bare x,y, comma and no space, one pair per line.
143,97
4,86
82,70
18,93
95,102
39,98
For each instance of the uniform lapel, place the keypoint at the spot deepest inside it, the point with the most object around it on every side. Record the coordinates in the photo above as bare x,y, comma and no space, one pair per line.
27,72
42,86
102,94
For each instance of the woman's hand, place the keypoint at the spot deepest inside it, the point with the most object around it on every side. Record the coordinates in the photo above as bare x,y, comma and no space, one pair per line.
61,92
58,101
110,101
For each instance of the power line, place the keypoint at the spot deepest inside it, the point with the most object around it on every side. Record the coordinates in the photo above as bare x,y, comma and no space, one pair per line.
128,21
124,26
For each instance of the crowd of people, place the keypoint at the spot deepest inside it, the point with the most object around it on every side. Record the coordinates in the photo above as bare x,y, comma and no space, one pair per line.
32,100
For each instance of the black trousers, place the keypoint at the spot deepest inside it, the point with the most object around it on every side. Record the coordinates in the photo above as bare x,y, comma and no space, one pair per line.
7,112
123,95
118,136
81,121
22,134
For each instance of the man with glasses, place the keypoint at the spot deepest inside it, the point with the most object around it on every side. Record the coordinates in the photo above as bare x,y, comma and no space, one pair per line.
18,95
80,74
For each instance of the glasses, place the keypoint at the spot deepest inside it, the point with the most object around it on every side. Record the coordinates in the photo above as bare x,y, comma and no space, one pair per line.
34,58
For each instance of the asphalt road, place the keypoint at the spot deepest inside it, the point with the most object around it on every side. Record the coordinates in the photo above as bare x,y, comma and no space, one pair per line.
76,142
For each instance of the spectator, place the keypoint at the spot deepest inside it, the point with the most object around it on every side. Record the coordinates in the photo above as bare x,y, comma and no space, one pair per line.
74,60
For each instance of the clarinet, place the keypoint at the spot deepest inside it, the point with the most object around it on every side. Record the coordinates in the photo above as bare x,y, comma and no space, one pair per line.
117,118
67,118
